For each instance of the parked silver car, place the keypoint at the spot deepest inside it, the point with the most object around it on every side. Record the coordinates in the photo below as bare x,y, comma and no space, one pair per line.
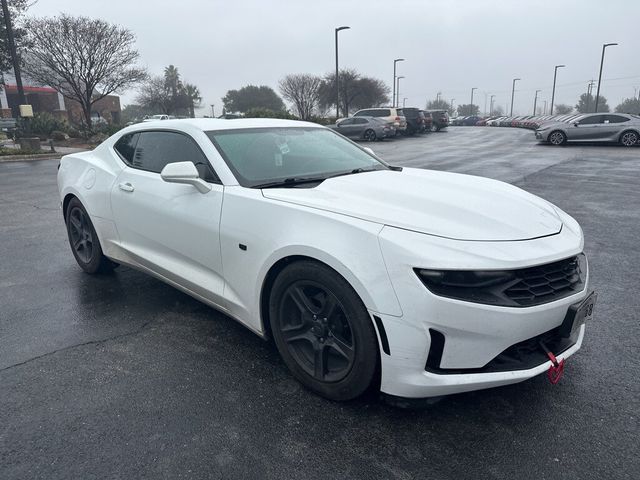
367,128
594,127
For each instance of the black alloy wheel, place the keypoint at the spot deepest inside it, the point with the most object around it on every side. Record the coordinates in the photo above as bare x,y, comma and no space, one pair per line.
370,135
84,240
80,234
323,331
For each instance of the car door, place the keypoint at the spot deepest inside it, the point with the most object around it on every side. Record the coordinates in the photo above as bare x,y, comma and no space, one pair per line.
347,127
615,126
171,229
586,129
359,126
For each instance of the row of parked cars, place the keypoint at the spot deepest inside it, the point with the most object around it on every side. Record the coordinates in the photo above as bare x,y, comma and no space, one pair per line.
384,122
622,128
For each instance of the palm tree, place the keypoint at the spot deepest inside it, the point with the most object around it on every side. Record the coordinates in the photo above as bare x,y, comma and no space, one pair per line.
172,80
192,94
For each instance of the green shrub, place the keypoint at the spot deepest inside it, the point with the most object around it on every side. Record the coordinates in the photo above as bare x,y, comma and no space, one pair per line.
42,123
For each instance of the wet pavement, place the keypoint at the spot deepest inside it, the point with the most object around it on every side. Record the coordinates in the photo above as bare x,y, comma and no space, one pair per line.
122,376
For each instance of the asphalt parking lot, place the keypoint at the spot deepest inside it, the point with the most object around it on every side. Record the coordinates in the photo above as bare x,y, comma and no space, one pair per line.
122,376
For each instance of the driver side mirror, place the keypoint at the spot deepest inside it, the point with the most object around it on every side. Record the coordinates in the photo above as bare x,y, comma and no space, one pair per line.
575,124
184,172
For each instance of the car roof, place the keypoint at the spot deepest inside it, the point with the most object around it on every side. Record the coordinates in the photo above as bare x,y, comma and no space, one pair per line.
207,124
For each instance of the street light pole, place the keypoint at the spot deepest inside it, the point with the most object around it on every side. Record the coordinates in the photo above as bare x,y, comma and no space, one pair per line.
393,98
398,91
213,115
535,101
553,92
491,105
471,106
403,101
600,75
452,110
513,90
337,74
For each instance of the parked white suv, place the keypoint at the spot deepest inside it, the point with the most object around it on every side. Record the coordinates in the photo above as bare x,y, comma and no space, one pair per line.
389,114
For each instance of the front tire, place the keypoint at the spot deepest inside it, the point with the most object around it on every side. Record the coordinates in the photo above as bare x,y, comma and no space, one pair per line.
83,240
323,331
629,138
557,137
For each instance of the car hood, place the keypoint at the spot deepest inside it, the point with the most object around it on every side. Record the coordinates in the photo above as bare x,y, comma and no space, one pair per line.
450,205
546,125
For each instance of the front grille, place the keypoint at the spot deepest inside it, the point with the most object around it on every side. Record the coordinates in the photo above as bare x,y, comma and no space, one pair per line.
546,283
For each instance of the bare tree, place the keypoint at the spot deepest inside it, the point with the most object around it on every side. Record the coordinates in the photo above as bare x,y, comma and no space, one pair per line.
303,90
84,59
154,95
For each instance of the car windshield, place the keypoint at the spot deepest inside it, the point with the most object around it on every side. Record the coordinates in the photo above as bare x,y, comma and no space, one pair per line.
260,157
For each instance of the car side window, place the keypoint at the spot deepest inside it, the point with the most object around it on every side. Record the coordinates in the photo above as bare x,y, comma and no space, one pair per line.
591,120
616,118
381,113
360,121
154,150
363,113
348,121
126,146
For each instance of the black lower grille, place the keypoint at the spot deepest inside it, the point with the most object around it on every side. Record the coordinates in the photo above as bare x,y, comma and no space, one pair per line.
521,356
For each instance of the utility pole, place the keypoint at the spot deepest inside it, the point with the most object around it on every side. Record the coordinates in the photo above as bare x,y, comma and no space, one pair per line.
213,114
544,112
513,89
452,110
491,105
535,101
485,103
471,106
13,52
590,86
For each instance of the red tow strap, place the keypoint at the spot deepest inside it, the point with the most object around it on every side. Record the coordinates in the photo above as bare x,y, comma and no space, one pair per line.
556,370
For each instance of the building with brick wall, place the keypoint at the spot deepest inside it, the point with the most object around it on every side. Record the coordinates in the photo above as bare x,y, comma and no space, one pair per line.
47,99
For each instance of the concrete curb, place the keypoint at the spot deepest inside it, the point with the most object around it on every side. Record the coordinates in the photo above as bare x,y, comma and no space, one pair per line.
32,156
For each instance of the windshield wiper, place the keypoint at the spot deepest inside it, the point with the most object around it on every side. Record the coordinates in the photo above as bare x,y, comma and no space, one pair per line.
290,182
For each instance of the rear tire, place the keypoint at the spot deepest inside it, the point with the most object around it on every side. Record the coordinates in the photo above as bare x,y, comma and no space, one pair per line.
370,135
629,138
323,331
83,240
557,137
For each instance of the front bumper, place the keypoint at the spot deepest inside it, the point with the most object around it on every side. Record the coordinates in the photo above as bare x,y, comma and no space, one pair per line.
541,135
474,334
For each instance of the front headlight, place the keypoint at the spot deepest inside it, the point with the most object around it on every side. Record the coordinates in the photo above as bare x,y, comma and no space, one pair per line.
471,286
524,287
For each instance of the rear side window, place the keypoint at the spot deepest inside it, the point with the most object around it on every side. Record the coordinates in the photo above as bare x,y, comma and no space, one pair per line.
616,118
154,150
381,112
126,146
360,121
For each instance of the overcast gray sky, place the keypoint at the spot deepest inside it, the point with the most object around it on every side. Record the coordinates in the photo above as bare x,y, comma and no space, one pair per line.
449,46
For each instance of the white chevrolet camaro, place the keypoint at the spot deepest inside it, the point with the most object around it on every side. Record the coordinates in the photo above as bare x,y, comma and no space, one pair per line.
417,282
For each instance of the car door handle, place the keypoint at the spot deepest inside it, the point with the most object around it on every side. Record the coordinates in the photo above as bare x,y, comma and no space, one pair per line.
126,187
